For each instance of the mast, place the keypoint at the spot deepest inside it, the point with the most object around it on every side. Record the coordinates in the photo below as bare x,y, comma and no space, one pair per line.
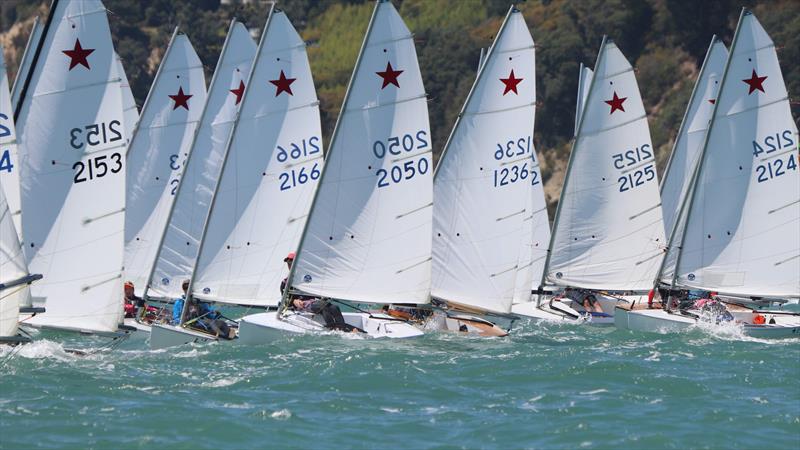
34,60
232,132
569,171
693,180
290,278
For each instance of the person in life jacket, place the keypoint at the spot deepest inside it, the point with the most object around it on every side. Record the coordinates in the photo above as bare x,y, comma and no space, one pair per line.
331,313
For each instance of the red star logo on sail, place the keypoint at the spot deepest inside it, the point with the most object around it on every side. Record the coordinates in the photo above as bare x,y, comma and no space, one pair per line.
283,84
712,100
389,76
238,92
755,82
78,55
511,83
180,99
616,103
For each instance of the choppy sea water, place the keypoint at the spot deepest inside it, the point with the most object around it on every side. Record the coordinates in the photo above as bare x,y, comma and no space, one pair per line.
546,386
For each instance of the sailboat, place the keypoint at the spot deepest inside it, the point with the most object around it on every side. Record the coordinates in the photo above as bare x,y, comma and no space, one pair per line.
72,177
157,154
736,231
181,239
483,202
608,234
367,239
14,278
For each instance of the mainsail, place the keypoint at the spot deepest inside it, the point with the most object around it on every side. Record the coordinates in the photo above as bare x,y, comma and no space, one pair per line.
482,212
741,234
9,152
158,152
368,236
72,178
179,248
686,151
608,232
584,80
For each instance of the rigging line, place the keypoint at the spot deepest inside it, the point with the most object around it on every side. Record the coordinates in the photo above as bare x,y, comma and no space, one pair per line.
174,124
514,161
410,156
300,163
92,286
414,265
284,111
641,164
389,41
504,271
787,260
77,88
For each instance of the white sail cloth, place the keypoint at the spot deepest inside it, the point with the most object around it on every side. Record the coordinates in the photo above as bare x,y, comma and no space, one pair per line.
158,152
482,212
584,81
129,109
368,237
742,227
687,150
72,142
9,151
608,230
12,268
272,168
181,242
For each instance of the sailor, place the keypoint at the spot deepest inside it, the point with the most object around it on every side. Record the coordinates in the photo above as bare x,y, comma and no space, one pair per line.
590,304
132,302
330,313
177,306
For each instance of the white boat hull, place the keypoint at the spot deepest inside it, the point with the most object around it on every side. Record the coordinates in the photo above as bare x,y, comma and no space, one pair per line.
266,327
165,336
660,321
568,311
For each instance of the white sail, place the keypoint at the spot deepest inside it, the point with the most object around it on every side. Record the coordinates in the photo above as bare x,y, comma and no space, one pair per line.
129,109
73,173
158,152
368,237
12,268
25,63
540,222
482,210
686,151
9,152
608,232
181,242
743,219
584,80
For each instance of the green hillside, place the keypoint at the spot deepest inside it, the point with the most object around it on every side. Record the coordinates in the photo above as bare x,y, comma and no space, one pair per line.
664,39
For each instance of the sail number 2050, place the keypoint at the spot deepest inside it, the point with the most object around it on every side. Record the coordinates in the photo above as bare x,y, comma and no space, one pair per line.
403,169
